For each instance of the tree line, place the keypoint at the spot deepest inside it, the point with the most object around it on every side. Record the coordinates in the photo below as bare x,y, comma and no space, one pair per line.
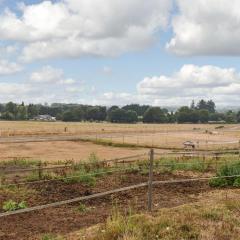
201,112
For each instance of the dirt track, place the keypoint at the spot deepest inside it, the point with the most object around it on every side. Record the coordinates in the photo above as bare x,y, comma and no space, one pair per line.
66,219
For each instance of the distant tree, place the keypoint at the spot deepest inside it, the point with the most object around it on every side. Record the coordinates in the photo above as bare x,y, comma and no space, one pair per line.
187,115
68,116
96,114
192,105
238,117
131,116
122,116
7,116
22,113
206,105
203,116
78,114
32,111
171,117
231,117
139,109
154,115
11,108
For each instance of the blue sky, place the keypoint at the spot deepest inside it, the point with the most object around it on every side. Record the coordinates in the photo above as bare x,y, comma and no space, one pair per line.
112,52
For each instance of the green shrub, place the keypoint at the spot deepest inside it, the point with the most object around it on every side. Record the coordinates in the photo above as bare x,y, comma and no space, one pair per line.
218,182
236,182
85,179
11,205
232,169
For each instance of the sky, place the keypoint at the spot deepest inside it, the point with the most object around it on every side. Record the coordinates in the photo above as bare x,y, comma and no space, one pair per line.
117,52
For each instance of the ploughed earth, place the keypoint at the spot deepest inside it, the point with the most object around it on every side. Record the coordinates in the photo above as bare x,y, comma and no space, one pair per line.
72,217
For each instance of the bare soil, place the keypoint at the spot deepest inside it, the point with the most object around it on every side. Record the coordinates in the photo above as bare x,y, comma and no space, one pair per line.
62,151
66,219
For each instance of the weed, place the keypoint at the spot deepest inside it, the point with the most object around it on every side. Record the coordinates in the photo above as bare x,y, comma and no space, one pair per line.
82,208
227,170
51,237
20,162
218,182
11,205
45,176
88,180
212,215
236,182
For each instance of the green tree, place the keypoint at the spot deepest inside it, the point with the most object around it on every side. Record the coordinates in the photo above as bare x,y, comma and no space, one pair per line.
154,115
32,111
203,116
22,113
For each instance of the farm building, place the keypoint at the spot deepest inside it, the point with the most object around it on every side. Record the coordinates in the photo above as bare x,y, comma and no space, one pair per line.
47,118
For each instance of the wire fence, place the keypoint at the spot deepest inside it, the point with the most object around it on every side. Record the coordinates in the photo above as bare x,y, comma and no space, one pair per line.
102,194
150,166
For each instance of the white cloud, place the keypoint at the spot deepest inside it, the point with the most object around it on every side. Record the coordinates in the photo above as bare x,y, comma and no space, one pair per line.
47,74
50,75
206,27
14,88
73,28
192,82
7,68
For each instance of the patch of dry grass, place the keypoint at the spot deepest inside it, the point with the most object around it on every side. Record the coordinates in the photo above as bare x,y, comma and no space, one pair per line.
214,218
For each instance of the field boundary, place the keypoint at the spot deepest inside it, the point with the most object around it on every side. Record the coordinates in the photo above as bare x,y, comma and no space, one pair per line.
102,194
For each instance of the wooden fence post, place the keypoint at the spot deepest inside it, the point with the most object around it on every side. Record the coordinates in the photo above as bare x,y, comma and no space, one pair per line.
40,170
150,180
239,149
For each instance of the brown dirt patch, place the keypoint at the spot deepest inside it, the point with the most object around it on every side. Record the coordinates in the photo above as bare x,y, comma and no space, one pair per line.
65,219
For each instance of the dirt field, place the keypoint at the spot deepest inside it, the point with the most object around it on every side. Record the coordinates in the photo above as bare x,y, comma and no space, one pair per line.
11,128
66,219
62,151
146,135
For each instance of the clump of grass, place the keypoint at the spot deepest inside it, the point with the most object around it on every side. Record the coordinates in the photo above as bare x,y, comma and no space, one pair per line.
225,172
34,176
237,182
232,205
82,208
81,177
51,237
212,215
11,205
171,164
20,162
110,143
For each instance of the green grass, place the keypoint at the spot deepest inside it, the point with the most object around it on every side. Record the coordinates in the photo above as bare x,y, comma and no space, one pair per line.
51,237
172,164
20,162
230,169
11,205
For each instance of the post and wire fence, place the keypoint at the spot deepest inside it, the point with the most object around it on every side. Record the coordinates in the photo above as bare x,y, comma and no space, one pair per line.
149,184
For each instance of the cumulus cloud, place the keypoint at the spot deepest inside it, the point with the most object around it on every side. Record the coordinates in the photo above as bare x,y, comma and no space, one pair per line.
48,84
191,82
47,74
206,28
72,28
51,75
7,68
